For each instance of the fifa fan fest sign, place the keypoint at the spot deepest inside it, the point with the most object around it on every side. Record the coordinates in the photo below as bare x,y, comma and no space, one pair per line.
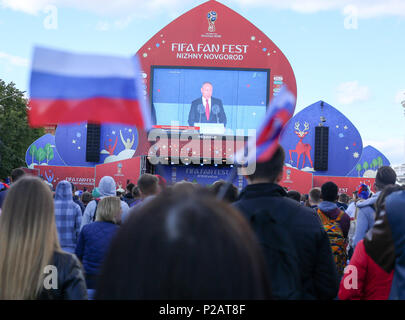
210,76
81,177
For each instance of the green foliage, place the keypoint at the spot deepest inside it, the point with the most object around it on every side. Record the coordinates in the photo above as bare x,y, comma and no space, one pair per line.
41,155
375,163
33,152
48,152
358,168
365,165
380,162
15,134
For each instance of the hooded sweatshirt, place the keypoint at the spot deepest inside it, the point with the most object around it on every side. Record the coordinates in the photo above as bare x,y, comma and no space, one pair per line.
106,188
332,211
365,217
68,216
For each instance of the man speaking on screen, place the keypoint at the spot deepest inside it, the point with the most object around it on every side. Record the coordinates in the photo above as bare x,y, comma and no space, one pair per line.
207,109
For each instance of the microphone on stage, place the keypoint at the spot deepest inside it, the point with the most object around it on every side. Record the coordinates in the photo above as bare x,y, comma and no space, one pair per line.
201,110
215,110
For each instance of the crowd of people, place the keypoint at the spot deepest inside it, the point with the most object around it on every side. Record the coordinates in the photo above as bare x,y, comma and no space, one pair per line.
155,241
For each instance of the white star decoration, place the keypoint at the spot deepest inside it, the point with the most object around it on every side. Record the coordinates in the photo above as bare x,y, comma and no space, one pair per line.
345,127
347,148
355,155
113,132
74,141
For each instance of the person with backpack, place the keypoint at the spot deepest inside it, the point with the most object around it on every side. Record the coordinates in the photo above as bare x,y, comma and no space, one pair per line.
106,187
366,214
295,245
336,224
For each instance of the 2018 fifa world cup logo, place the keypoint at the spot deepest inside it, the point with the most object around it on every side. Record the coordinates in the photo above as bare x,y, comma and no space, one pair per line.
212,17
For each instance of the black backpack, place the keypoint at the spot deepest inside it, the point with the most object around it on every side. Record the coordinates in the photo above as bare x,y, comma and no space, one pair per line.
280,255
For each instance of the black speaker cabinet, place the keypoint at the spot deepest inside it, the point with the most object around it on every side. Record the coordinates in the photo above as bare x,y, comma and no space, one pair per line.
321,148
93,143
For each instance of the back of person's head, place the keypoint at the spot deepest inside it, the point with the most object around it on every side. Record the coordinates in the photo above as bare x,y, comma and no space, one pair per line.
107,186
64,191
129,187
86,197
28,238
193,247
363,191
120,192
231,194
314,196
344,198
271,170
162,182
95,193
17,174
73,188
385,176
185,187
109,210
148,184
295,195
135,192
380,203
329,191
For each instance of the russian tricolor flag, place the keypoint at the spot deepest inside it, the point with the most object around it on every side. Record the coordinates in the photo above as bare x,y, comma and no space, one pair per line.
279,112
69,88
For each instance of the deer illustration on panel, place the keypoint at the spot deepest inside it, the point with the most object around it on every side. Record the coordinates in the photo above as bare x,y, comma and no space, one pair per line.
301,148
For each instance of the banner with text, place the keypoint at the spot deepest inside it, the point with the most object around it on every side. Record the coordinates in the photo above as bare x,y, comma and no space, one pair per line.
81,177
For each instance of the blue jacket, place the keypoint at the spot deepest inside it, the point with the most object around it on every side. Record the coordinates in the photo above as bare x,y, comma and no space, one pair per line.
68,216
394,207
365,218
93,244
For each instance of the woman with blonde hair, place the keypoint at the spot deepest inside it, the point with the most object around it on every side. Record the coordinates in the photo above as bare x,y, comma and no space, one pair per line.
32,264
95,237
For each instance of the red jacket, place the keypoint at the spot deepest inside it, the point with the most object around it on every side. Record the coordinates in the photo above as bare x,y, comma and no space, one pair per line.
373,282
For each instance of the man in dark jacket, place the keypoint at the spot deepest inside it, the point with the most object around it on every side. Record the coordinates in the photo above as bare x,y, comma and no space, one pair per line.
317,269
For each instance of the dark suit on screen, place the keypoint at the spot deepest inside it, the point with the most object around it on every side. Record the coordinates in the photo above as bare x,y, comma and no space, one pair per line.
197,112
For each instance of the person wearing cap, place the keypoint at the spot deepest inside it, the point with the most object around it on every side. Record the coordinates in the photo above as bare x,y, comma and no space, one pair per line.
106,187
366,213
362,193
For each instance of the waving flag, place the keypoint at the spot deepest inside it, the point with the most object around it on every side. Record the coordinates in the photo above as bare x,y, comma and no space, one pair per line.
71,88
280,111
